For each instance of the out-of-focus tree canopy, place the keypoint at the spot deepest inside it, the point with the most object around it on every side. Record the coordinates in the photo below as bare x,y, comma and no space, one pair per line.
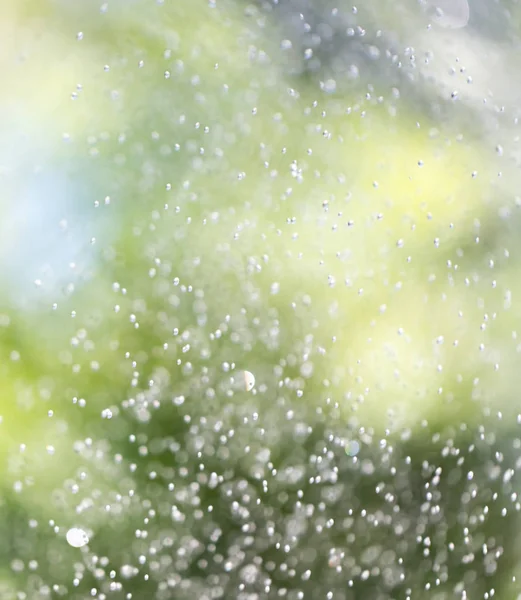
321,195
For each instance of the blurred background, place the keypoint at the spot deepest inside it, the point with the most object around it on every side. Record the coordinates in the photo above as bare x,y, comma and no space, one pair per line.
260,299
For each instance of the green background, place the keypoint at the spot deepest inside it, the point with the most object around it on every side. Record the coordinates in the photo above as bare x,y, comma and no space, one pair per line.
314,193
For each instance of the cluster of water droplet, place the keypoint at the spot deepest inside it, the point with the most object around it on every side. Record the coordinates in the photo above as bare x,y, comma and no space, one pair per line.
279,378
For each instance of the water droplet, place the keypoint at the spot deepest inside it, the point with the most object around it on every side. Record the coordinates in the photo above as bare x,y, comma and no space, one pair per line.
76,537
352,448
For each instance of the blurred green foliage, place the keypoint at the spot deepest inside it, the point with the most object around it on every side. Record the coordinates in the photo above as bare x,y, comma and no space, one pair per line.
184,197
